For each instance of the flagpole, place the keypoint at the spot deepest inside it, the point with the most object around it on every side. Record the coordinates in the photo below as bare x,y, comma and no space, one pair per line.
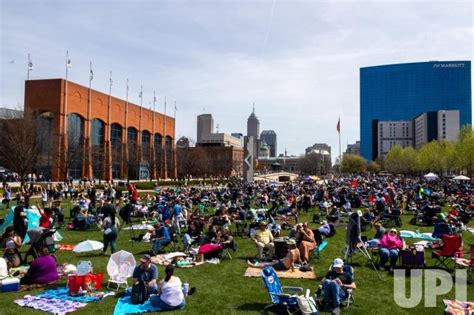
141,106
340,157
89,97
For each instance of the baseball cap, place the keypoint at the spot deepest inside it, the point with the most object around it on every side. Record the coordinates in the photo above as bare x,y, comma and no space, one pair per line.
338,262
145,258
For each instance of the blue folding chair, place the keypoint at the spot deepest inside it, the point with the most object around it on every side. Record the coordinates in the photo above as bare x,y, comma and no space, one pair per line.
283,298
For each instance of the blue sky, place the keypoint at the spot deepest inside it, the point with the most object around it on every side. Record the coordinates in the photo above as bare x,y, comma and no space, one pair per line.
297,60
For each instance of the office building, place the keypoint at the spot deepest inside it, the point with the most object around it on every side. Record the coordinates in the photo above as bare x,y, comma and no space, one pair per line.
441,125
270,138
392,133
353,148
205,126
403,91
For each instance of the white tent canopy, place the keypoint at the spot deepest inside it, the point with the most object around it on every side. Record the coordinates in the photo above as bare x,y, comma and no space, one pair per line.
431,176
461,177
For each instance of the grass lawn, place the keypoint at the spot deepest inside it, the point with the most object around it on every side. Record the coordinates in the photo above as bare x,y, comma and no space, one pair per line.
222,289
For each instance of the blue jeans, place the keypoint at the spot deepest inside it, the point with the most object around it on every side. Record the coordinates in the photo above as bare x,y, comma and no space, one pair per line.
333,291
111,238
385,254
157,245
156,301
186,242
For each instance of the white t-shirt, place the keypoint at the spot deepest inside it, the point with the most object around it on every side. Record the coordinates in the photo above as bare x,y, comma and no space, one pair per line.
172,293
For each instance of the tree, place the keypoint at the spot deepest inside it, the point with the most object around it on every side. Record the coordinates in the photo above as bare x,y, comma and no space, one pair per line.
352,163
310,164
400,160
464,150
18,146
373,167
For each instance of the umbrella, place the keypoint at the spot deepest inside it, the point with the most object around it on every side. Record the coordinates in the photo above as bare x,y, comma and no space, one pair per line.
88,246
121,263
461,177
431,176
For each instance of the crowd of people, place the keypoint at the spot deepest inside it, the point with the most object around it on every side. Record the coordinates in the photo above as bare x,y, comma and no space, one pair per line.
202,217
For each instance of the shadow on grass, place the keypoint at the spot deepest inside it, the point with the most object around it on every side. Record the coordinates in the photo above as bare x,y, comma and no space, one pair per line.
252,307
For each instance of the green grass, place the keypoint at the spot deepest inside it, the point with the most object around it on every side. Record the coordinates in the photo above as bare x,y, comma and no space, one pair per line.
222,289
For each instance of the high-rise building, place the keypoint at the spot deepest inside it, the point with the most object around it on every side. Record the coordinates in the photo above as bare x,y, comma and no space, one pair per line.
353,148
253,126
270,138
205,126
441,125
392,133
403,91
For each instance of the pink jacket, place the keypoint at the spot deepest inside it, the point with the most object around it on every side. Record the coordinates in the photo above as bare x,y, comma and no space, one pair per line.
388,241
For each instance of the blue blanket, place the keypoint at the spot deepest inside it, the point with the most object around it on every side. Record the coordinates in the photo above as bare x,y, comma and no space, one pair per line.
62,293
124,306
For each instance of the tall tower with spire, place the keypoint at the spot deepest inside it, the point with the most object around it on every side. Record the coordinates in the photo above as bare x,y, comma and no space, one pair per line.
253,125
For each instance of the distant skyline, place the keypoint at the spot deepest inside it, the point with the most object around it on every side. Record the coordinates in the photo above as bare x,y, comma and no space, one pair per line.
297,61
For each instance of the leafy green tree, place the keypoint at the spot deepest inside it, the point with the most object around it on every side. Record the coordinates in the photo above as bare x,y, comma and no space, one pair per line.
352,163
393,162
373,167
464,150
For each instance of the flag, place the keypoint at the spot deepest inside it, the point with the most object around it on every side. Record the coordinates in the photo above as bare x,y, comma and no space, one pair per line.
140,94
338,128
68,64
91,75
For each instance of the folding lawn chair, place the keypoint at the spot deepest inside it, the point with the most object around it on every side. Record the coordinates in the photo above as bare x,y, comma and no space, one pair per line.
281,301
452,246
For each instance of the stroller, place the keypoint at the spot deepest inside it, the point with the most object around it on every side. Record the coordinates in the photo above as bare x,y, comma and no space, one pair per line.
39,238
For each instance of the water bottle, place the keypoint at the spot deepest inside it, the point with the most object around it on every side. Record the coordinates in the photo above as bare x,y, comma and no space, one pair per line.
185,288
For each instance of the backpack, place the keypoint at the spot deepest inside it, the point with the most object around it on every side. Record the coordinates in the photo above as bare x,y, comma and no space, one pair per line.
139,292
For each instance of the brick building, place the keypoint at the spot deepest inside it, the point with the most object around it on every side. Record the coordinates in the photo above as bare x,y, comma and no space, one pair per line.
86,133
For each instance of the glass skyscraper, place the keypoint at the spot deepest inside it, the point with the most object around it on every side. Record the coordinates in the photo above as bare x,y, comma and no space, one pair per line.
403,91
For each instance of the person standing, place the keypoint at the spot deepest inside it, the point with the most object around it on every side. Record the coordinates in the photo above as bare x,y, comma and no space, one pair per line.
109,224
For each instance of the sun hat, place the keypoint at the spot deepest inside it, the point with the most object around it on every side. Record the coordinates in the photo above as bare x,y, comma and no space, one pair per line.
338,263
291,242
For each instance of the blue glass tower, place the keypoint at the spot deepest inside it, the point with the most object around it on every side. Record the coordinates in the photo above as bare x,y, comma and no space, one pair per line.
403,91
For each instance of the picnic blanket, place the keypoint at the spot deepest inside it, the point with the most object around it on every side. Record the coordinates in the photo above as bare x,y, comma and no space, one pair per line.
297,274
62,293
124,306
54,306
455,307
166,259
142,226
423,236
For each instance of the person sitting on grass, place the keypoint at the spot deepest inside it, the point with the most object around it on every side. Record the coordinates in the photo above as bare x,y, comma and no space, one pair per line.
12,243
286,263
170,293
146,272
335,285
42,269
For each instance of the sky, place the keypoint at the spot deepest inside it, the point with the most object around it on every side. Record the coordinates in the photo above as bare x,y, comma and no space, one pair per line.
298,61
